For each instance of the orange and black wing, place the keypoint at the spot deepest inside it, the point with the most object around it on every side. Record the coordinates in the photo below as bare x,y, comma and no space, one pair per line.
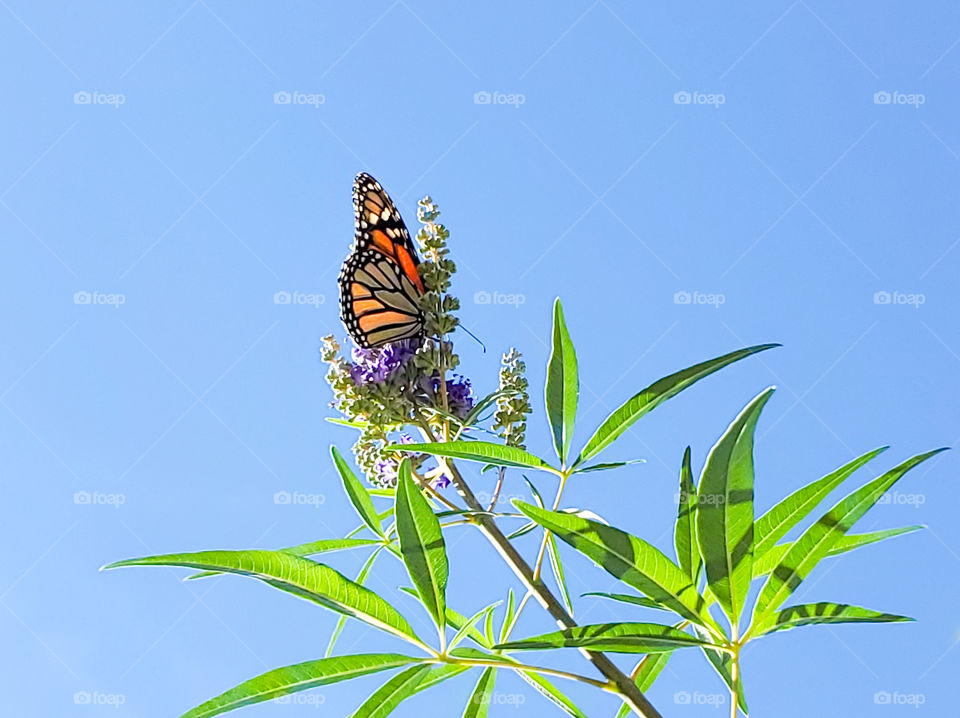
380,288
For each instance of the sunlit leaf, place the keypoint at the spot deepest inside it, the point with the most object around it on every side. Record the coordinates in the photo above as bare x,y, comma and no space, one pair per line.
388,696
312,548
342,620
468,627
642,403
823,612
626,598
479,703
422,546
299,576
786,514
356,492
300,677
557,567
482,451
612,637
629,558
685,529
551,693
817,540
562,385
772,558
725,510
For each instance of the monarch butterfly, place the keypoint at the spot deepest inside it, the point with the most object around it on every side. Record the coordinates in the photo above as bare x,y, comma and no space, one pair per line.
380,288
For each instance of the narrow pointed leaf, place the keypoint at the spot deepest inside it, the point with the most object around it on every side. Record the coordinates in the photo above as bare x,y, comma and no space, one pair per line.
612,637
388,696
562,386
725,510
422,546
482,451
772,558
507,615
557,567
685,529
816,541
342,621
468,627
626,598
650,398
631,559
479,703
309,549
300,677
523,530
356,492
823,612
775,524
457,620
299,576
553,694
608,465
646,672
439,674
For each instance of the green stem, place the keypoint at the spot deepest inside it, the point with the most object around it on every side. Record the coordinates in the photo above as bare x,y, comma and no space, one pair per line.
604,685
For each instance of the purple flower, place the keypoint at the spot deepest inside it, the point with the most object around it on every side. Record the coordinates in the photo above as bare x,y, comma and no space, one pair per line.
459,398
375,366
441,482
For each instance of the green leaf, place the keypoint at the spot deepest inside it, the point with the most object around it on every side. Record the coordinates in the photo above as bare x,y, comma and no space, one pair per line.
653,396
626,598
725,510
551,693
300,677
562,386
468,627
608,465
523,530
479,703
357,493
775,524
558,571
772,558
818,539
646,672
823,612
482,451
309,549
422,546
388,696
612,637
721,664
507,615
342,621
631,559
439,674
685,529
299,576
456,620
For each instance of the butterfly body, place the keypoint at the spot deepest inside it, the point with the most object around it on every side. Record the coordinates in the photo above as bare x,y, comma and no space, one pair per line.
380,287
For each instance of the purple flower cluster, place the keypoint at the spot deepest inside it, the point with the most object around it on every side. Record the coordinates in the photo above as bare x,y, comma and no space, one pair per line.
375,366
459,398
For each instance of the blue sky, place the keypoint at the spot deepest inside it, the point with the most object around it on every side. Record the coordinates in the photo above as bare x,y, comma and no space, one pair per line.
688,179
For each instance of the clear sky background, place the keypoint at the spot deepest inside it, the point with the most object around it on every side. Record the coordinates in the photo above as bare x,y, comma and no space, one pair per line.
782,198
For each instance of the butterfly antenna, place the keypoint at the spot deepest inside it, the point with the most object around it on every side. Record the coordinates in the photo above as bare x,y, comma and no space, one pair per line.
482,345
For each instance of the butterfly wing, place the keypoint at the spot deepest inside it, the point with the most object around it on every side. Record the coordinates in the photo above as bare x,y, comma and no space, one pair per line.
380,288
